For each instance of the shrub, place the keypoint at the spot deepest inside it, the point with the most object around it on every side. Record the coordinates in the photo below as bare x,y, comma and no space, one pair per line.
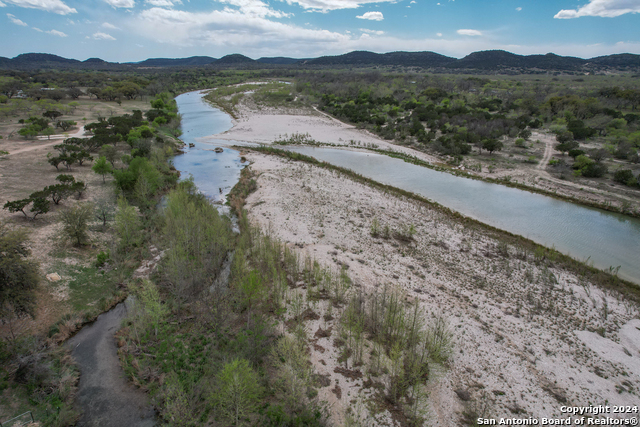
102,258
75,221
238,392
626,177
197,240
128,225
101,167
19,276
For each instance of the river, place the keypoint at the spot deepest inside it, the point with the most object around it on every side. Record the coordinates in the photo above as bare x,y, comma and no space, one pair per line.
603,238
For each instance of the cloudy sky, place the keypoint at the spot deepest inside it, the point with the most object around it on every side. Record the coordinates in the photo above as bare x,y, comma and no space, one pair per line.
133,30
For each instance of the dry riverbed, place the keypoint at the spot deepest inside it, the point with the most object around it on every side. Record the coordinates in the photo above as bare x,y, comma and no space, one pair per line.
530,336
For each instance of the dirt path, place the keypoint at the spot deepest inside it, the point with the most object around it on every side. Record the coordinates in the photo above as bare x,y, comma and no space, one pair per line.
104,396
548,152
541,171
78,134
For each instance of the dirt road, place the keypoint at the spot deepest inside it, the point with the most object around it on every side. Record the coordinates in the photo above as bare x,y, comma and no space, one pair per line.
548,151
55,141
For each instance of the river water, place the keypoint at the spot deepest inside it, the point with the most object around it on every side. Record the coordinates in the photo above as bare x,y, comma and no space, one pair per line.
603,238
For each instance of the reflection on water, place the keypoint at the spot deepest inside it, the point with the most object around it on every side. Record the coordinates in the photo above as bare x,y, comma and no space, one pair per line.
605,238
214,173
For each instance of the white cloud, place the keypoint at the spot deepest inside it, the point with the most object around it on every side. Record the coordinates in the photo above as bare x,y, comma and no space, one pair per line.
601,8
126,4
473,33
2,4
16,20
55,6
102,36
109,26
378,33
229,29
163,3
56,33
372,16
38,29
326,5
518,9
255,8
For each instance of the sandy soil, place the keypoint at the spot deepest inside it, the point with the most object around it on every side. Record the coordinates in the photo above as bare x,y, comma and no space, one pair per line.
266,125
529,337
25,170
261,124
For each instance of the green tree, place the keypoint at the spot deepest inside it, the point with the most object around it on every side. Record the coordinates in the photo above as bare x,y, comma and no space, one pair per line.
154,310
564,136
19,276
492,145
75,222
74,93
567,146
52,114
48,131
128,225
575,153
104,212
197,239
110,153
65,125
29,132
238,392
101,167
39,205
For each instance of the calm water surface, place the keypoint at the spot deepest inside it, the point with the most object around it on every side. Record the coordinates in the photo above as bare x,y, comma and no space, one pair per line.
211,171
605,238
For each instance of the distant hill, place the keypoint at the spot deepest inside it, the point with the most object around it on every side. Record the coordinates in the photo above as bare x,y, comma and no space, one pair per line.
94,61
616,61
476,62
497,59
363,58
43,58
235,58
279,60
192,61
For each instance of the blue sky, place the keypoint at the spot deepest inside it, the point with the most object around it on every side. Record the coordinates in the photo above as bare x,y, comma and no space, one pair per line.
133,30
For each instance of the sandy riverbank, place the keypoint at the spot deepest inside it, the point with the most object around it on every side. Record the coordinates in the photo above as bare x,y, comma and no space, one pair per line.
530,336
264,125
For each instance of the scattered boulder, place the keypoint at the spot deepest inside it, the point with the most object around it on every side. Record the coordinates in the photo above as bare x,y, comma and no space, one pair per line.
53,277
463,395
218,150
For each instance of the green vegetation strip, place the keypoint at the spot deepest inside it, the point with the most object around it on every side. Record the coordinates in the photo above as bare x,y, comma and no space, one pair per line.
597,276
